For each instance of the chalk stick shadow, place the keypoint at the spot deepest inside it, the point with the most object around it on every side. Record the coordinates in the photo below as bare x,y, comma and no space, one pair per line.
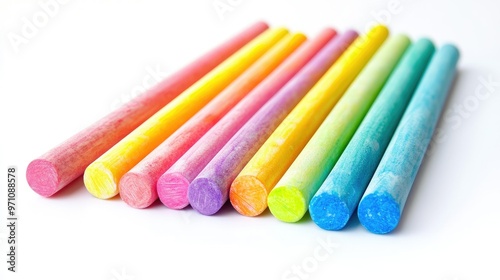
305,220
75,188
157,205
226,210
414,202
353,223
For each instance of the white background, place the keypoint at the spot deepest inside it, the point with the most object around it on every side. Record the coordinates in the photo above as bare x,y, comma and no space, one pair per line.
93,55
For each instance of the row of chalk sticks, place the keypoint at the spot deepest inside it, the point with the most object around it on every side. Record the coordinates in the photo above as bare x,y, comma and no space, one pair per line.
270,119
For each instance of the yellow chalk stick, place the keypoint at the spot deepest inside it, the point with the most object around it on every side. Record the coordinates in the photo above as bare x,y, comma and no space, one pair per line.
267,166
102,176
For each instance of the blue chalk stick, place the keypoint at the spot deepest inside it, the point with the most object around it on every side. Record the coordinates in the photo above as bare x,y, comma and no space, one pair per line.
334,203
382,204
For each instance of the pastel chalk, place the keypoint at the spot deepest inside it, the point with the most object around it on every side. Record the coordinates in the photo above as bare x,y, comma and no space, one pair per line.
254,183
383,202
289,200
172,186
102,176
138,186
340,193
55,169
322,93
223,168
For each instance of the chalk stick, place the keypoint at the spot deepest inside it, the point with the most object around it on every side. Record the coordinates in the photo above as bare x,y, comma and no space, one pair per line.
383,201
229,161
289,199
173,184
102,176
55,169
206,193
263,171
345,184
138,186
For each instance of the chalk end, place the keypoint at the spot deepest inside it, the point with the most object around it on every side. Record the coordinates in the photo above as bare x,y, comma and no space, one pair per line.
42,177
205,196
452,49
248,196
173,190
379,213
137,190
287,204
261,24
329,212
328,32
100,181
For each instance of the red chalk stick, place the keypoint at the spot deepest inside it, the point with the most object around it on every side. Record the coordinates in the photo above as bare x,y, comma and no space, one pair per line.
55,169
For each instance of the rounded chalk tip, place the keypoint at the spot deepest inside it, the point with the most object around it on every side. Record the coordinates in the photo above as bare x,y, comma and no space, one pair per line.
403,38
287,204
281,30
379,213
451,50
329,211
205,196
173,190
379,29
42,177
261,24
425,43
328,31
137,190
248,195
99,181
299,36
351,33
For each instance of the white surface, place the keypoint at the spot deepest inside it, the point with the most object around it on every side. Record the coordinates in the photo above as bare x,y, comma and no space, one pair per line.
92,54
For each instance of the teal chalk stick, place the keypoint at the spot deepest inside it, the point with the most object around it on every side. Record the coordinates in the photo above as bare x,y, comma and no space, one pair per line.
382,204
337,198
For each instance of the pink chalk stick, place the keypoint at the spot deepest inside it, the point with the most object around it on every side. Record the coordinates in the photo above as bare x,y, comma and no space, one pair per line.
173,185
58,167
138,186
